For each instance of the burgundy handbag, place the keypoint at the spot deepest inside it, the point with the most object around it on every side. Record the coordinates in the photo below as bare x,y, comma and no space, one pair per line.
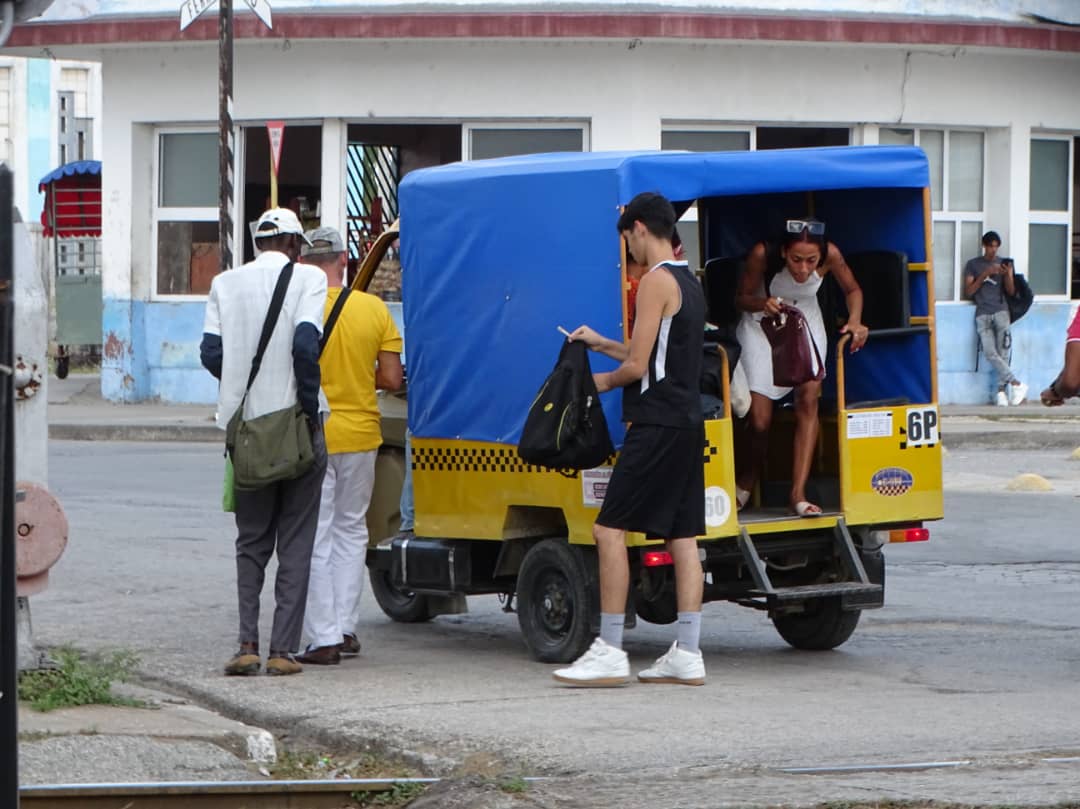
793,348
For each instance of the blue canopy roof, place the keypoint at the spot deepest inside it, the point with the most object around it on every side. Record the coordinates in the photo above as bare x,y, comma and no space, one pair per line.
498,253
692,175
70,170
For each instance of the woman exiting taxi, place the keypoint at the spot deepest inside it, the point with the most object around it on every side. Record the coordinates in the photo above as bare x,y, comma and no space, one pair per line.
789,273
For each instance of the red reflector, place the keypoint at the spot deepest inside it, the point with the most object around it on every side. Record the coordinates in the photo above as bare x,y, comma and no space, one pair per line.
916,535
657,558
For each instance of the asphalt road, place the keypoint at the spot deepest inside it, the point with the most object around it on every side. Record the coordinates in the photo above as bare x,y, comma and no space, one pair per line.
975,658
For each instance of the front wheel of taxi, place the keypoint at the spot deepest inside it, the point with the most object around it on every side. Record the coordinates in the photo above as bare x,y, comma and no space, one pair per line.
822,625
552,595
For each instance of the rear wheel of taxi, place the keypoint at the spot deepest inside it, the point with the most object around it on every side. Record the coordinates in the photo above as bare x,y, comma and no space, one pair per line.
402,605
823,625
552,596
654,596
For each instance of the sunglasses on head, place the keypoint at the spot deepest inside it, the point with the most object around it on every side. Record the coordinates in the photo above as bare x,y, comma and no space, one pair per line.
812,227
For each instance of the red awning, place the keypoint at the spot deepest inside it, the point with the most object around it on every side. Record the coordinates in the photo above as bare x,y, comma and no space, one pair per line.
72,200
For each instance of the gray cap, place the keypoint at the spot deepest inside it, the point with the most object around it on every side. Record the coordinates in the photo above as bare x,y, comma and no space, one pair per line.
322,241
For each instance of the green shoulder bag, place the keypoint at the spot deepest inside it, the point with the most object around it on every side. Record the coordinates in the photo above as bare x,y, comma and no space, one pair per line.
275,446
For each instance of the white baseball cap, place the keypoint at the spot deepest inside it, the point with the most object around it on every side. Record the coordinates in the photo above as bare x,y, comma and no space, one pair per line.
278,221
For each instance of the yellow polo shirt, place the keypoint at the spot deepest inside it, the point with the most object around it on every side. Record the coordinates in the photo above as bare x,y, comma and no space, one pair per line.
363,329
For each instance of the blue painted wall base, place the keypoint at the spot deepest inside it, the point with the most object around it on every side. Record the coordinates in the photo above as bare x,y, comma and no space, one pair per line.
1038,350
151,351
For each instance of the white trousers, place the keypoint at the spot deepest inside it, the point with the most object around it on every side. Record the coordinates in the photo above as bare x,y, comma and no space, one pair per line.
337,560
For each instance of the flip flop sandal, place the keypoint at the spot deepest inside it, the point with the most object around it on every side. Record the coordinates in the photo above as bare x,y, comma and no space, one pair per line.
742,497
805,508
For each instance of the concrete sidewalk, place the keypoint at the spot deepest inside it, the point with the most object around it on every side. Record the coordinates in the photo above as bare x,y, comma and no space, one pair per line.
77,412
164,737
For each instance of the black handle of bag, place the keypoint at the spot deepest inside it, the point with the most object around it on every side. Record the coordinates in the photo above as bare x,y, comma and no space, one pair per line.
339,304
272,313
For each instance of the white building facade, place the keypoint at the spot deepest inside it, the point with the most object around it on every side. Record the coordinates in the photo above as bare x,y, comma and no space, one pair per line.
37,98
993,102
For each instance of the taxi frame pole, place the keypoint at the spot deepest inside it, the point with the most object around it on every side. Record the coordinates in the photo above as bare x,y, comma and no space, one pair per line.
9,683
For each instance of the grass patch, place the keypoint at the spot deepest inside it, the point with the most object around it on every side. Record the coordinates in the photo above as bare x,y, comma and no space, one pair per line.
398,795
313,765
78,681
316,765
514,786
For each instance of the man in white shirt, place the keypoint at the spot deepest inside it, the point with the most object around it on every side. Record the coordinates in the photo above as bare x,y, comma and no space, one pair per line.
284,514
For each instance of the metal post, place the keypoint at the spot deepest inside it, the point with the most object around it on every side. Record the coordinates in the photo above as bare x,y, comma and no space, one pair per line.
225,133
9,690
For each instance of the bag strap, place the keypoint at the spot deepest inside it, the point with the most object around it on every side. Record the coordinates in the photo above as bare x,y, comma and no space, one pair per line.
272,313
339,304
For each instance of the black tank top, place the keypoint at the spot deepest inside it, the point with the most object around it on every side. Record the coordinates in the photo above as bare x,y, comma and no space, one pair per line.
668,393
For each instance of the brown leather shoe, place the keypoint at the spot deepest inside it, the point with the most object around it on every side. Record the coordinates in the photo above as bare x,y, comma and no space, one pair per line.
281,663
245,662
321,656
350,646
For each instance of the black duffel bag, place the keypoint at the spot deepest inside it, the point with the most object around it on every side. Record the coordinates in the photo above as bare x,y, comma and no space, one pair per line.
565,427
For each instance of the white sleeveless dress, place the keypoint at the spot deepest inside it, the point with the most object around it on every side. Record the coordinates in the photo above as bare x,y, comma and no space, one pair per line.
756,351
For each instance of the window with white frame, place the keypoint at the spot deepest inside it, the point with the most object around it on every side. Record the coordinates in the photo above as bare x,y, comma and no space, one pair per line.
1049,214
706,140
488,140
74,126
186,212
689,138
76,80
5,114
957,161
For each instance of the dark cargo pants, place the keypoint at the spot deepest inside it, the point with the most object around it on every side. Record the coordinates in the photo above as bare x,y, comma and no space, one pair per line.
285,515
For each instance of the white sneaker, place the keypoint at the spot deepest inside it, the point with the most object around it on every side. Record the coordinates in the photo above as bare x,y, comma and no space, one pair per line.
601,666
1017,393
1001,400
676,666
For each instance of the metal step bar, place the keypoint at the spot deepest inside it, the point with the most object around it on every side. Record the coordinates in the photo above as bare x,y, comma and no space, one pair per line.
858,583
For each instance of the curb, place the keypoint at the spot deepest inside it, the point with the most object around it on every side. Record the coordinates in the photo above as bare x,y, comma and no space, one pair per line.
136,432
1011,439
1039,438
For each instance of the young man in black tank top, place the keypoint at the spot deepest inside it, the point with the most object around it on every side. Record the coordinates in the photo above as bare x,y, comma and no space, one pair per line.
657,487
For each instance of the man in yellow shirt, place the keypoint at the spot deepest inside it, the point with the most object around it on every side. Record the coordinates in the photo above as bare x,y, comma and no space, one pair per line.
361,353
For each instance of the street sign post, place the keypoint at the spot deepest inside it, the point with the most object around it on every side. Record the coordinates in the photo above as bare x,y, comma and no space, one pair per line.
189,12
191,9
225,135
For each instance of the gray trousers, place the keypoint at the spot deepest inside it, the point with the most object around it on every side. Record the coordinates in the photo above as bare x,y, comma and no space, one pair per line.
996,341
283,515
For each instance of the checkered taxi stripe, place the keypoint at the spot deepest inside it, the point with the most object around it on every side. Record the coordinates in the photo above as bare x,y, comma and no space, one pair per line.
471,459
710,450
492,459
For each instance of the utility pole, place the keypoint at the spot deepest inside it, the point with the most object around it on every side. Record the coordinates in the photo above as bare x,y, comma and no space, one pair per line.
189,12
225,133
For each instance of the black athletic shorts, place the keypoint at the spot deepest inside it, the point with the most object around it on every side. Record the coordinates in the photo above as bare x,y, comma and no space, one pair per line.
658,485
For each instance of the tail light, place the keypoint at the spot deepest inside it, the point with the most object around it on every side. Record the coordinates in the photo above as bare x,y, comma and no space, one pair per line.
916,534
656,559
